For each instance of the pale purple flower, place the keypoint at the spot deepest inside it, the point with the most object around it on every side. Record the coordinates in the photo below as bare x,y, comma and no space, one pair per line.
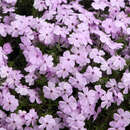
105,66
50,91
7,48
65,89
14,122
99,90
30,78
117,3
125,84
96,55
22,90
68,58
76,121
78,81
39,4
47,122
99,4
118,97
121,120
63,70
68,105
31,117
2,118
89,96
117,62
92,74
11,1
46,35
81,53
47,63
33,96
9,102
112,85
109,26
2,30
107,99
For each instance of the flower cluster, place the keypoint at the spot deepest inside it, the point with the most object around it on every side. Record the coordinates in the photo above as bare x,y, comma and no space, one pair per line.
77,57
121,120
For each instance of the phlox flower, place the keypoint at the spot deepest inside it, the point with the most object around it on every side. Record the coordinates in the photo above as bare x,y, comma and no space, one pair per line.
117,62
117,3
68,105
9,102
76,121
107,99
78,81
47,122
31,117
92,74
14,122
96,55
50,91
7,48
65,89
33,96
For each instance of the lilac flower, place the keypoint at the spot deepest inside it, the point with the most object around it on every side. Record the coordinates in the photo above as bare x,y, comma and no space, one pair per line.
47,35
22,115
117,62
128,31
68,105
99,90
107,99
33,96
31,117
125,84
112,85
96,55
2,128
92,74
11,1
76,121
4,71
30,78
96,113
78,82
39,4
22,89
68,59
88,48
74,39
47,122
14,122
117,3
2,30
89,96
109,26
114,11
81,53
99,4
13,78
7,48
105,66
118,97
63,70
2,118
47,63
121,120
3,57
65,89
50,91
9,102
